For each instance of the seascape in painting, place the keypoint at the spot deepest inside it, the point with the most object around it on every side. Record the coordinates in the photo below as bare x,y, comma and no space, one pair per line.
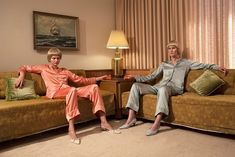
52,30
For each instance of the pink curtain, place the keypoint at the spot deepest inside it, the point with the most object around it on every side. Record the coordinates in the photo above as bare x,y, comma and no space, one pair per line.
205,30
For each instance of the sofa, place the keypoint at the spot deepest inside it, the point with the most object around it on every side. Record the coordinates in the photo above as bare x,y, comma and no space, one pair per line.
19,118
213,113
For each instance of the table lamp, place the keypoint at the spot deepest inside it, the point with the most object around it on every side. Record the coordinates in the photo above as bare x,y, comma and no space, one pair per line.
117,40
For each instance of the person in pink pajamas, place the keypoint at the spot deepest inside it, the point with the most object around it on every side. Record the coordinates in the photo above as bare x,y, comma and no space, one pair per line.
56,81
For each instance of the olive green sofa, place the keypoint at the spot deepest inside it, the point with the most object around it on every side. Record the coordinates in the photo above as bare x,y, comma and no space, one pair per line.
26,117
214,113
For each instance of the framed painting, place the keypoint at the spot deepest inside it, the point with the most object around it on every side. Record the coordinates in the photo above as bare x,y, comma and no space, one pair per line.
54,30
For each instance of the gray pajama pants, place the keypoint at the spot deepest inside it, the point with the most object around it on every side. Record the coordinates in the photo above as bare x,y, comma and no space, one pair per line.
163,93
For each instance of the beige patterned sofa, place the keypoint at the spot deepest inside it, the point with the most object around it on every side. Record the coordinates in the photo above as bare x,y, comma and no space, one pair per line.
26,117
214,113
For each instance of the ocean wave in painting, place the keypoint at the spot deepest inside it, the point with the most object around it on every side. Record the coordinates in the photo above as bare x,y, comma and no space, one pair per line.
55,41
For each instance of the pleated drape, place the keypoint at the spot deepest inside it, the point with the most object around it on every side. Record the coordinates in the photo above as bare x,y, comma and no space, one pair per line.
204,29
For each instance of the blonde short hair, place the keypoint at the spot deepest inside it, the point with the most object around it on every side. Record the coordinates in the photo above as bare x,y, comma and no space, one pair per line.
53,52
172,43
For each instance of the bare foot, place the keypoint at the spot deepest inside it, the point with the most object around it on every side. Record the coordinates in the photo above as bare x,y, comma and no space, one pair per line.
72,134
106,126
74,138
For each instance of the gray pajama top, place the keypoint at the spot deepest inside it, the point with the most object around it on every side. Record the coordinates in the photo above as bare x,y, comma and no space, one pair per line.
174,75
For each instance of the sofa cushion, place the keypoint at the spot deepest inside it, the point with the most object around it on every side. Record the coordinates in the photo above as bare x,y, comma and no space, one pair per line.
3,76
207,83
227,88
79,72
26,92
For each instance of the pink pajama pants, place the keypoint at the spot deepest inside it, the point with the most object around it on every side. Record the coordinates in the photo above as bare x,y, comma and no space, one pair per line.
90,91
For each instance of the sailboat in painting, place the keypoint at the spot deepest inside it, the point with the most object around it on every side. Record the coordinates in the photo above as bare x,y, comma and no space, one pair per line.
55,30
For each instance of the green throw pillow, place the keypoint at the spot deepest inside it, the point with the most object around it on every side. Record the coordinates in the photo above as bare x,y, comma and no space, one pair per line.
207,83
26,92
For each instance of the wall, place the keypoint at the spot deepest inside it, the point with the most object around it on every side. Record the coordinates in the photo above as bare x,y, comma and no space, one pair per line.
96,17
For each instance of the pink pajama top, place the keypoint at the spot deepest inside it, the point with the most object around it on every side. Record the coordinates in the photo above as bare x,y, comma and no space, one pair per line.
56,79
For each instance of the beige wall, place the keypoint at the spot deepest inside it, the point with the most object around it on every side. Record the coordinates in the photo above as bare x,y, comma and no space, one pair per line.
16,32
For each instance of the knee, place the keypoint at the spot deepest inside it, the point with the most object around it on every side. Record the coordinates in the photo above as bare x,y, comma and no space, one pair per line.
94,87
162,90
73,90
135,86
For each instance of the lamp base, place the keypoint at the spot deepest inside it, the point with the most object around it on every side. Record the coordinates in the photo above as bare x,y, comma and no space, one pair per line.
117,66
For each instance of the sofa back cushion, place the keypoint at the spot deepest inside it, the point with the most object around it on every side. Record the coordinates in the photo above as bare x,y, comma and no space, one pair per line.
39,84
40,87
78,72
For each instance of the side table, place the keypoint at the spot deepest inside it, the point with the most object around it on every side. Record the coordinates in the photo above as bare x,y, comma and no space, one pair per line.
117,86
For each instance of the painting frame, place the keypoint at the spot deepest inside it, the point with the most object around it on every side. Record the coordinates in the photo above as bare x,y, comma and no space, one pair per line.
55,30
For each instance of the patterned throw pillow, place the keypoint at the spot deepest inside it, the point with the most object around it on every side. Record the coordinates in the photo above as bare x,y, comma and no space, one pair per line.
207,83
26,92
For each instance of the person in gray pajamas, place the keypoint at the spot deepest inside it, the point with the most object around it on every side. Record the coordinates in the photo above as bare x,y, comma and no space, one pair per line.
173,74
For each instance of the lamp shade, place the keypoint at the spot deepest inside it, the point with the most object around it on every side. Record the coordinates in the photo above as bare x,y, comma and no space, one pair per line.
117,40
